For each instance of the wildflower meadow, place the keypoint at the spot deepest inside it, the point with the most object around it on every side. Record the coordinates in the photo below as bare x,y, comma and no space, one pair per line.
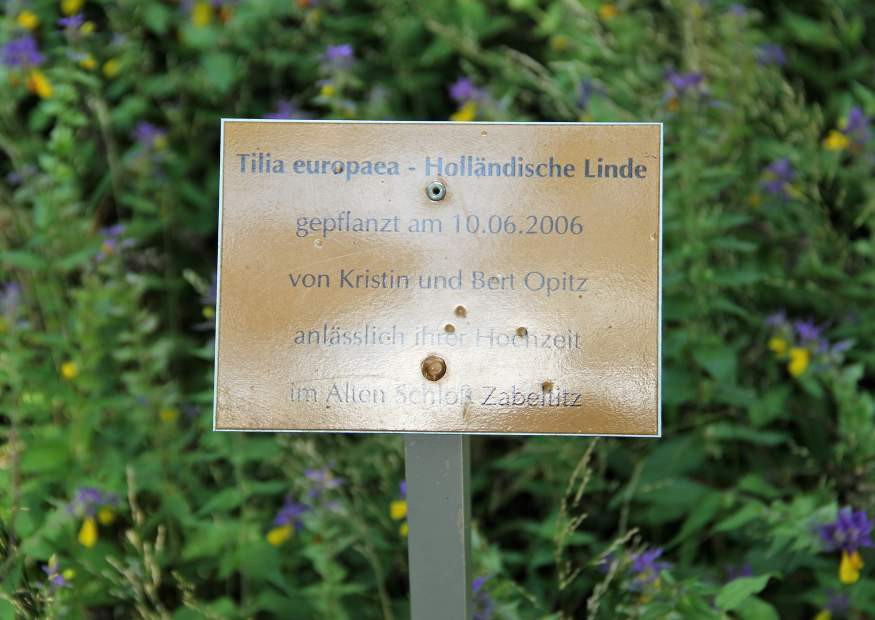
118,501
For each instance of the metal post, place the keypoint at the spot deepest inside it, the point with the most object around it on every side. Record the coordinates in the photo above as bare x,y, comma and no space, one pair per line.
439,516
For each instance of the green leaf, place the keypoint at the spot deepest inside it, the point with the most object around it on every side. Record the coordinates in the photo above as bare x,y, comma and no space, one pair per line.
739,590
157,17
755,608
810,31
724,431
22,260
749,512
700,516
223,501
45,455
719,361
219,70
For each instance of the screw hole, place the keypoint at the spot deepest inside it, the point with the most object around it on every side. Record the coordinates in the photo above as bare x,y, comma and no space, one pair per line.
547,386
522,332
449,328
461,312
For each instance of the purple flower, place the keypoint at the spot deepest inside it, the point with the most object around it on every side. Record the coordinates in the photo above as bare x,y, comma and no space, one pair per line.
777,319
679,83
607,563
838,604
55,578
808,331
646,566
402,486
290,513
463,90
851,530
209,296
841,346
734,572
484,606
585,93
737,10
322,480
113,241
779,174
771,54
87,500
339,55
286,109
22,52
857,126
10,300
17,177
148,135
73,22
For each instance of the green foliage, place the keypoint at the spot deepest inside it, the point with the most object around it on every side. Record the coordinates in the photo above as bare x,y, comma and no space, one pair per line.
106,354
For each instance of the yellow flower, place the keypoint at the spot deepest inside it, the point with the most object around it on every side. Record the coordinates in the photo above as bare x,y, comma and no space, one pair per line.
106,515
39,84
327,90
404,530
209,312
169,414
69,574
799,358
398,509
836,141
849,569
778,346
88,63
159,143
559,43
608,11
201,14
279,535
823,614
69,7
27,20
465,114
88,533
69,370
754,200
87,28
673,104
111,68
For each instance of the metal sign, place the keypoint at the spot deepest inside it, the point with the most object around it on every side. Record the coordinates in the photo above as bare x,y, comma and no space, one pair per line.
440,277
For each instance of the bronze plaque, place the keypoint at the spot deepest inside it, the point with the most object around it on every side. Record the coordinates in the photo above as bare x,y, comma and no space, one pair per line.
439,277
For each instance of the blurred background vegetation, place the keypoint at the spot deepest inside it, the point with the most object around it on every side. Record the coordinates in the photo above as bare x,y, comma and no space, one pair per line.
116,499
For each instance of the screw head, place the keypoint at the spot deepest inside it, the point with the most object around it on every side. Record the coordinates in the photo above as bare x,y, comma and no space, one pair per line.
436,190
433,368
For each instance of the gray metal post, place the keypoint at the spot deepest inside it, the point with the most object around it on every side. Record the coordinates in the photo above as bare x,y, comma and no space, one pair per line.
439,516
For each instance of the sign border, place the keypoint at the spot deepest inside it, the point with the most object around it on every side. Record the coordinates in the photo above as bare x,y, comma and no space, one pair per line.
225,120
